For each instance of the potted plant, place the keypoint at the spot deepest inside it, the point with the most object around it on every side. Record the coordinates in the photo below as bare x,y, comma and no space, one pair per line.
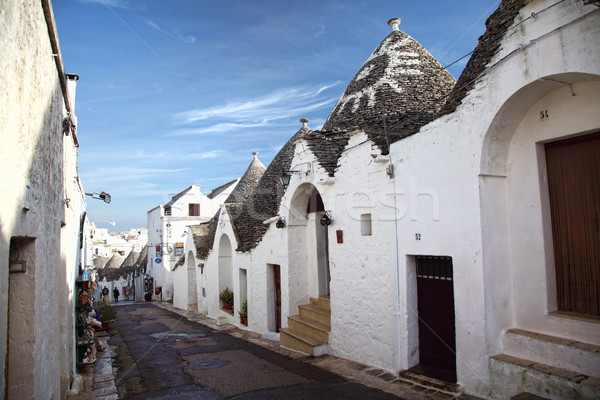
244,313
226,297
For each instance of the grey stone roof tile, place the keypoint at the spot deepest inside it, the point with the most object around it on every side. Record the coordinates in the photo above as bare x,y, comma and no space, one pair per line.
489,43
218,190
398,89
204,234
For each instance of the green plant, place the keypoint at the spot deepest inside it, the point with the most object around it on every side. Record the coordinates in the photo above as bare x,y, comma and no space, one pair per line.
107,313
226,296
244,312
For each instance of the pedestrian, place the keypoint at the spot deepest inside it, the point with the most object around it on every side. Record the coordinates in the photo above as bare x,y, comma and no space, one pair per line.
105,296
116,294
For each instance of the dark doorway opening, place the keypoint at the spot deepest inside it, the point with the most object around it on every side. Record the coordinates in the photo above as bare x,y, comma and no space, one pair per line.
437,335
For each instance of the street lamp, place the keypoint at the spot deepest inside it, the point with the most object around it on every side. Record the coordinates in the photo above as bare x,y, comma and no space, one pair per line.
100,196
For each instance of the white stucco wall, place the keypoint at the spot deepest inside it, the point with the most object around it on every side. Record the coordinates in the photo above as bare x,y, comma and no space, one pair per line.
31,154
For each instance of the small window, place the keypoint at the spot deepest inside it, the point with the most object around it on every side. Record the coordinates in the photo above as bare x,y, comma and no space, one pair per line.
194,210
365,225
178,249
158,251
167,211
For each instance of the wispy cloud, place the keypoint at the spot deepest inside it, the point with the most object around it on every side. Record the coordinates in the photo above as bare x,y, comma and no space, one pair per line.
151,155
259,112
126,173
175,35
114,3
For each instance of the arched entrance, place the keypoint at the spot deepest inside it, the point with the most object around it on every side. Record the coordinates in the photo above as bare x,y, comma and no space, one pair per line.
192,283
308,247
517,217
225,264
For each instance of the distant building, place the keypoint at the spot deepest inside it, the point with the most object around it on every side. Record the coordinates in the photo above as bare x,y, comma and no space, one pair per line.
167,226
446,228
106,244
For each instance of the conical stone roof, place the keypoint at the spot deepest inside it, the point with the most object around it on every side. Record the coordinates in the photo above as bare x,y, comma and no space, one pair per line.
398,89
246,185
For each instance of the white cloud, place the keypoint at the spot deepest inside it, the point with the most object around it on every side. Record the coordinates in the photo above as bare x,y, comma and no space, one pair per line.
106,175
112,3
257,112
174,35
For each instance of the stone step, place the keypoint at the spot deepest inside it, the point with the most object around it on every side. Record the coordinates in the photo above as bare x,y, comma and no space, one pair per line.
429,382
552,350
321,302
312,312
298,341
514,375
309,327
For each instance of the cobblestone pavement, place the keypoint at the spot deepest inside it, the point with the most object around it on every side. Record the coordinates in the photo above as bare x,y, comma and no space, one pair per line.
204,357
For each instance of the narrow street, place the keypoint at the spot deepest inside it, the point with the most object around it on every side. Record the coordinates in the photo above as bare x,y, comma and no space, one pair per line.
162,355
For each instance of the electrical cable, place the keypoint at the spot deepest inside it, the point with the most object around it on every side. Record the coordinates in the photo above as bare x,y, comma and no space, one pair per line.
166,65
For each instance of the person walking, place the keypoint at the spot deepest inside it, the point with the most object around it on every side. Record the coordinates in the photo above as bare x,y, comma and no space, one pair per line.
116,294
105,296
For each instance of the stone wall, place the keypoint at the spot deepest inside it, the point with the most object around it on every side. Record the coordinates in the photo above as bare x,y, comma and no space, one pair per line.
30,157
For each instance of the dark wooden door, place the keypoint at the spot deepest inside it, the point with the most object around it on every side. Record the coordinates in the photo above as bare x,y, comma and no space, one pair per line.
573,167
435,293
277,285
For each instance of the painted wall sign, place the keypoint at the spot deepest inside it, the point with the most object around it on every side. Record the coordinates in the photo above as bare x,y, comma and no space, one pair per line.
157,260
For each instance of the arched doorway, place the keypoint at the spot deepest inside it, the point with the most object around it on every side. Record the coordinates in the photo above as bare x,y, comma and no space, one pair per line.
192,283
225,264
517,219
308,247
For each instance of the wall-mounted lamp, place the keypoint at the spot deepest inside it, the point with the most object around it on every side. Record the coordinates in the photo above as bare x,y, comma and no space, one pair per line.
280,223
285,177
325,219
100,196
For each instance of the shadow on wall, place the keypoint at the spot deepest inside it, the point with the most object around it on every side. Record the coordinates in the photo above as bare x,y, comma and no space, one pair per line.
31,247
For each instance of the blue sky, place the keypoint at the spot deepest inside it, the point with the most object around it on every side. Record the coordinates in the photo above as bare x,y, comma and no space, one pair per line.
176,93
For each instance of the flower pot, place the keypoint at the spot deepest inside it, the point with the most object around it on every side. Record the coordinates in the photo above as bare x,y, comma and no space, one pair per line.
244,320
227,306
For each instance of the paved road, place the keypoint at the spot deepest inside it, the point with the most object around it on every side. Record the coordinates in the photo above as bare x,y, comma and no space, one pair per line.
162,355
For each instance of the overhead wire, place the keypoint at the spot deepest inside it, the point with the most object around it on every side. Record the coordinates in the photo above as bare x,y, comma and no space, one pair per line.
179,77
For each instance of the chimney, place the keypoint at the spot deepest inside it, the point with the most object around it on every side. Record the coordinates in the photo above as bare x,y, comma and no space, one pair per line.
71,87
394,23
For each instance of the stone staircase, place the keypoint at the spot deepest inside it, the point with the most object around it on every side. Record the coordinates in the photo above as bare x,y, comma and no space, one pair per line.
308,331
547,366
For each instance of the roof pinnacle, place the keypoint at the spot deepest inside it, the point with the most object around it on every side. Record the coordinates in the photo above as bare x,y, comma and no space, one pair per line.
304,122
394,23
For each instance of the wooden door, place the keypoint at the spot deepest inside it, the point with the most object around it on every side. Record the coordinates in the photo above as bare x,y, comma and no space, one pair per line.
277,285
573,167
435,293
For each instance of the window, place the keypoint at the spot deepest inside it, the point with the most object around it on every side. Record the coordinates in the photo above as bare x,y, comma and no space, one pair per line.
194,210
167,211
365,225
178,249
158,251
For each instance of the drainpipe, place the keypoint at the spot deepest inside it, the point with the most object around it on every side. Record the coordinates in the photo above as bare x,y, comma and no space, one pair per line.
397,314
